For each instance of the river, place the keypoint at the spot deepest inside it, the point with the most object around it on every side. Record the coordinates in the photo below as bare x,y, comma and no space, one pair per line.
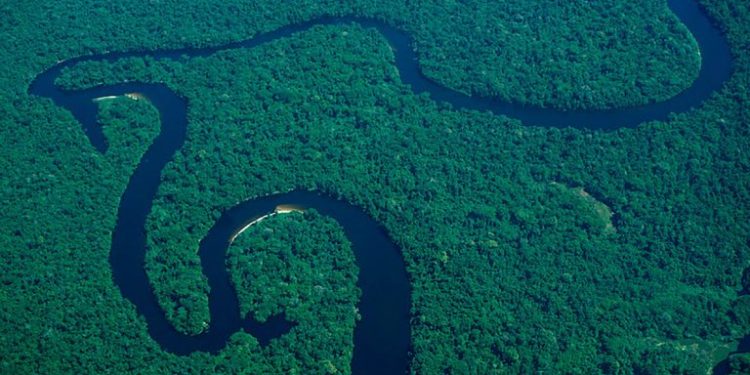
382,337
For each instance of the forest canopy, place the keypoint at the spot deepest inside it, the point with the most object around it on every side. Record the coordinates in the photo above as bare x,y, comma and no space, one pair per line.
529,249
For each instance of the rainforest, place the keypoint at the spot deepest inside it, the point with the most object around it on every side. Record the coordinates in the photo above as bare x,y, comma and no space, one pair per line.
359,187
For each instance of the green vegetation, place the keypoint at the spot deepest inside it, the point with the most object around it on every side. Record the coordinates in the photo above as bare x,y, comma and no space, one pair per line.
552,53
295,263
740,364
130,126
564,54
513,270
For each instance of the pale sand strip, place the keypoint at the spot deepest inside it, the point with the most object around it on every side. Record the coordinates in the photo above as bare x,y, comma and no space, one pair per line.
280,209
99,99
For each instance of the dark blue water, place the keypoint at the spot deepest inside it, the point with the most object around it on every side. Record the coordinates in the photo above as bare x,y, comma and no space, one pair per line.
382,337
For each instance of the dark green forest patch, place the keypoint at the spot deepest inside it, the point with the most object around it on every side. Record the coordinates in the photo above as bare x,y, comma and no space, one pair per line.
303,265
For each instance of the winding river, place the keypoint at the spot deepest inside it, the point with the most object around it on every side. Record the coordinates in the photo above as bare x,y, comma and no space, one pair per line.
382,337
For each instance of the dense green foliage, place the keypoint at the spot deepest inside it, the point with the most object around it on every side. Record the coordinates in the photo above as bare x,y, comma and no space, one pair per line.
136,118
294,264
514,268
564,54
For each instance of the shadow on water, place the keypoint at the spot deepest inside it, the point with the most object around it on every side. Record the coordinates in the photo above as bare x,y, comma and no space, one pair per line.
382,337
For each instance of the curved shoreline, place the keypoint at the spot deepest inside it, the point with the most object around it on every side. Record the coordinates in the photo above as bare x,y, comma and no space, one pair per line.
383,278
280,209
716,68
382,337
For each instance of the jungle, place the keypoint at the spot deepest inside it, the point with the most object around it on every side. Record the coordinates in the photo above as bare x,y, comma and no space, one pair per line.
528,249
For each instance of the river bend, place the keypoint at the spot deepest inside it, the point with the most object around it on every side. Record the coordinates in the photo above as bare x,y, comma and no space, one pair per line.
382,337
